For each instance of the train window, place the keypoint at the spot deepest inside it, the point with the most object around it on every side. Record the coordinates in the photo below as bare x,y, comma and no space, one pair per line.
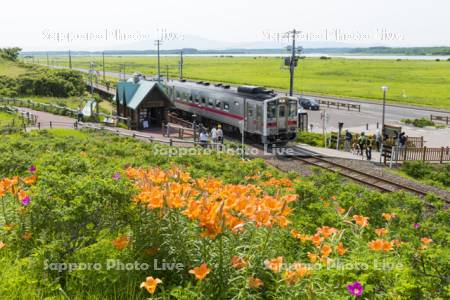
191,98
226,106
210,102
197,100
293,110
218,104
204,100
281,111
271,110
250,112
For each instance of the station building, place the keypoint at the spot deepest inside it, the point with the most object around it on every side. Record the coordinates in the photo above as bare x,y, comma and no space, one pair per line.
144,102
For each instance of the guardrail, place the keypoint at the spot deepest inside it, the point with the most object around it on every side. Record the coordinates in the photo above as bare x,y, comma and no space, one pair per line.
444,119
25,118
396,154
339,105
182,132
47,107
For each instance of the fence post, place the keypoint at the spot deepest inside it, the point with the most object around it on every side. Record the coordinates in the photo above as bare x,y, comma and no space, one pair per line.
170,142
129,123
162,129
39,125
442,155
51,125
424,153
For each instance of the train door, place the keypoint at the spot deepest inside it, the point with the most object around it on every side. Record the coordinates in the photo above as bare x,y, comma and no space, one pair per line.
259,118
251,120
282,116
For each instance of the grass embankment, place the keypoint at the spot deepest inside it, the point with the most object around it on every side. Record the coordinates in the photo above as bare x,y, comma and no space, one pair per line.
417,82
60,87
114,208
437,175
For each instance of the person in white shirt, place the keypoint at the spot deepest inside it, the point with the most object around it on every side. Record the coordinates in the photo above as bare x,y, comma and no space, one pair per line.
204,139
214,134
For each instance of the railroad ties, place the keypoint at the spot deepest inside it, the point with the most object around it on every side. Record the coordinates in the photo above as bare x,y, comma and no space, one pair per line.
377,182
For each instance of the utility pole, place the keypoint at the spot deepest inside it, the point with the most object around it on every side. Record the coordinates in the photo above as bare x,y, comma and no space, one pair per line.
91,73
103,54
384,88
47,60
293,64
70,60
181,64
158,43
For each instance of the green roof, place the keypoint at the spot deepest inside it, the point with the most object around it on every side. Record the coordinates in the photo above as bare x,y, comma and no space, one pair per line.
134,93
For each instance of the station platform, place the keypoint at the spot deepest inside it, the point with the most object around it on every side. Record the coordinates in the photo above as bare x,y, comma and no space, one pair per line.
339,154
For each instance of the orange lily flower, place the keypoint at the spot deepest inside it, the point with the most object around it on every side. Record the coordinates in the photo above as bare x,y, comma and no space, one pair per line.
254,282
426,240
30,179
150,284
380,245
300,270
381,231
327,231
316,240
121,242
290,277
312,257
340,249
200,272
326,250
361,220
238,262
274,264
388,216
2,245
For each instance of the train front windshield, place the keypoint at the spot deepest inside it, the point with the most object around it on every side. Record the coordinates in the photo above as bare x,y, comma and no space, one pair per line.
271,110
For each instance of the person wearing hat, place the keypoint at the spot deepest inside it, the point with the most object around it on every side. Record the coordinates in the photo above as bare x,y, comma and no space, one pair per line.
219,134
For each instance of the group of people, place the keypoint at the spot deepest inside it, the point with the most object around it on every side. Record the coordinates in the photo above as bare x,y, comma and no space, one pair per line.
216,135
365,144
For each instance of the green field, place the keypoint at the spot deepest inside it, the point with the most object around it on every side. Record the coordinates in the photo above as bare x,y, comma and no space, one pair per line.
417,82
11,69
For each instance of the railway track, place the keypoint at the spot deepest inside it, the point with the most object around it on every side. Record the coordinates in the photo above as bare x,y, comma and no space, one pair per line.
373,181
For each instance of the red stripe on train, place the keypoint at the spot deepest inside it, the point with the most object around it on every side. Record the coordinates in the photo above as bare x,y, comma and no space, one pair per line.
213,110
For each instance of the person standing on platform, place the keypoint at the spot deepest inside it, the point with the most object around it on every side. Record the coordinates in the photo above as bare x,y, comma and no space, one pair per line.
362,143
219,134
369,146
214,134
348,140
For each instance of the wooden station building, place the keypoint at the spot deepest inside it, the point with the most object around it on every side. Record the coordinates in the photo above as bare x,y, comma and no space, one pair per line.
144,102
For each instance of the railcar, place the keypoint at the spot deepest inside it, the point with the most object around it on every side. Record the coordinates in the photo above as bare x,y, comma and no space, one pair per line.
269,117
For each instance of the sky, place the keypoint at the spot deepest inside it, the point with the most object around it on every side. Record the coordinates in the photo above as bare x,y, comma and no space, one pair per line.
104,25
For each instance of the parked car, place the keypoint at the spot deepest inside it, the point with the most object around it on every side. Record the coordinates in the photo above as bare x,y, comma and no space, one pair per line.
309,103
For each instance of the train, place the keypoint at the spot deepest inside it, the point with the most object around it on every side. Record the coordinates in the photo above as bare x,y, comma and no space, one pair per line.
267,117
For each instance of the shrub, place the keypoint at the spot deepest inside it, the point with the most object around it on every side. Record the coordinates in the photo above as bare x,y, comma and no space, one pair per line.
423,122
310,138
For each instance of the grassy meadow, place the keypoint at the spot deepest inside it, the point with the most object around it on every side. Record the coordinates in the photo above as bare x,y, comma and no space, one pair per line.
417,82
